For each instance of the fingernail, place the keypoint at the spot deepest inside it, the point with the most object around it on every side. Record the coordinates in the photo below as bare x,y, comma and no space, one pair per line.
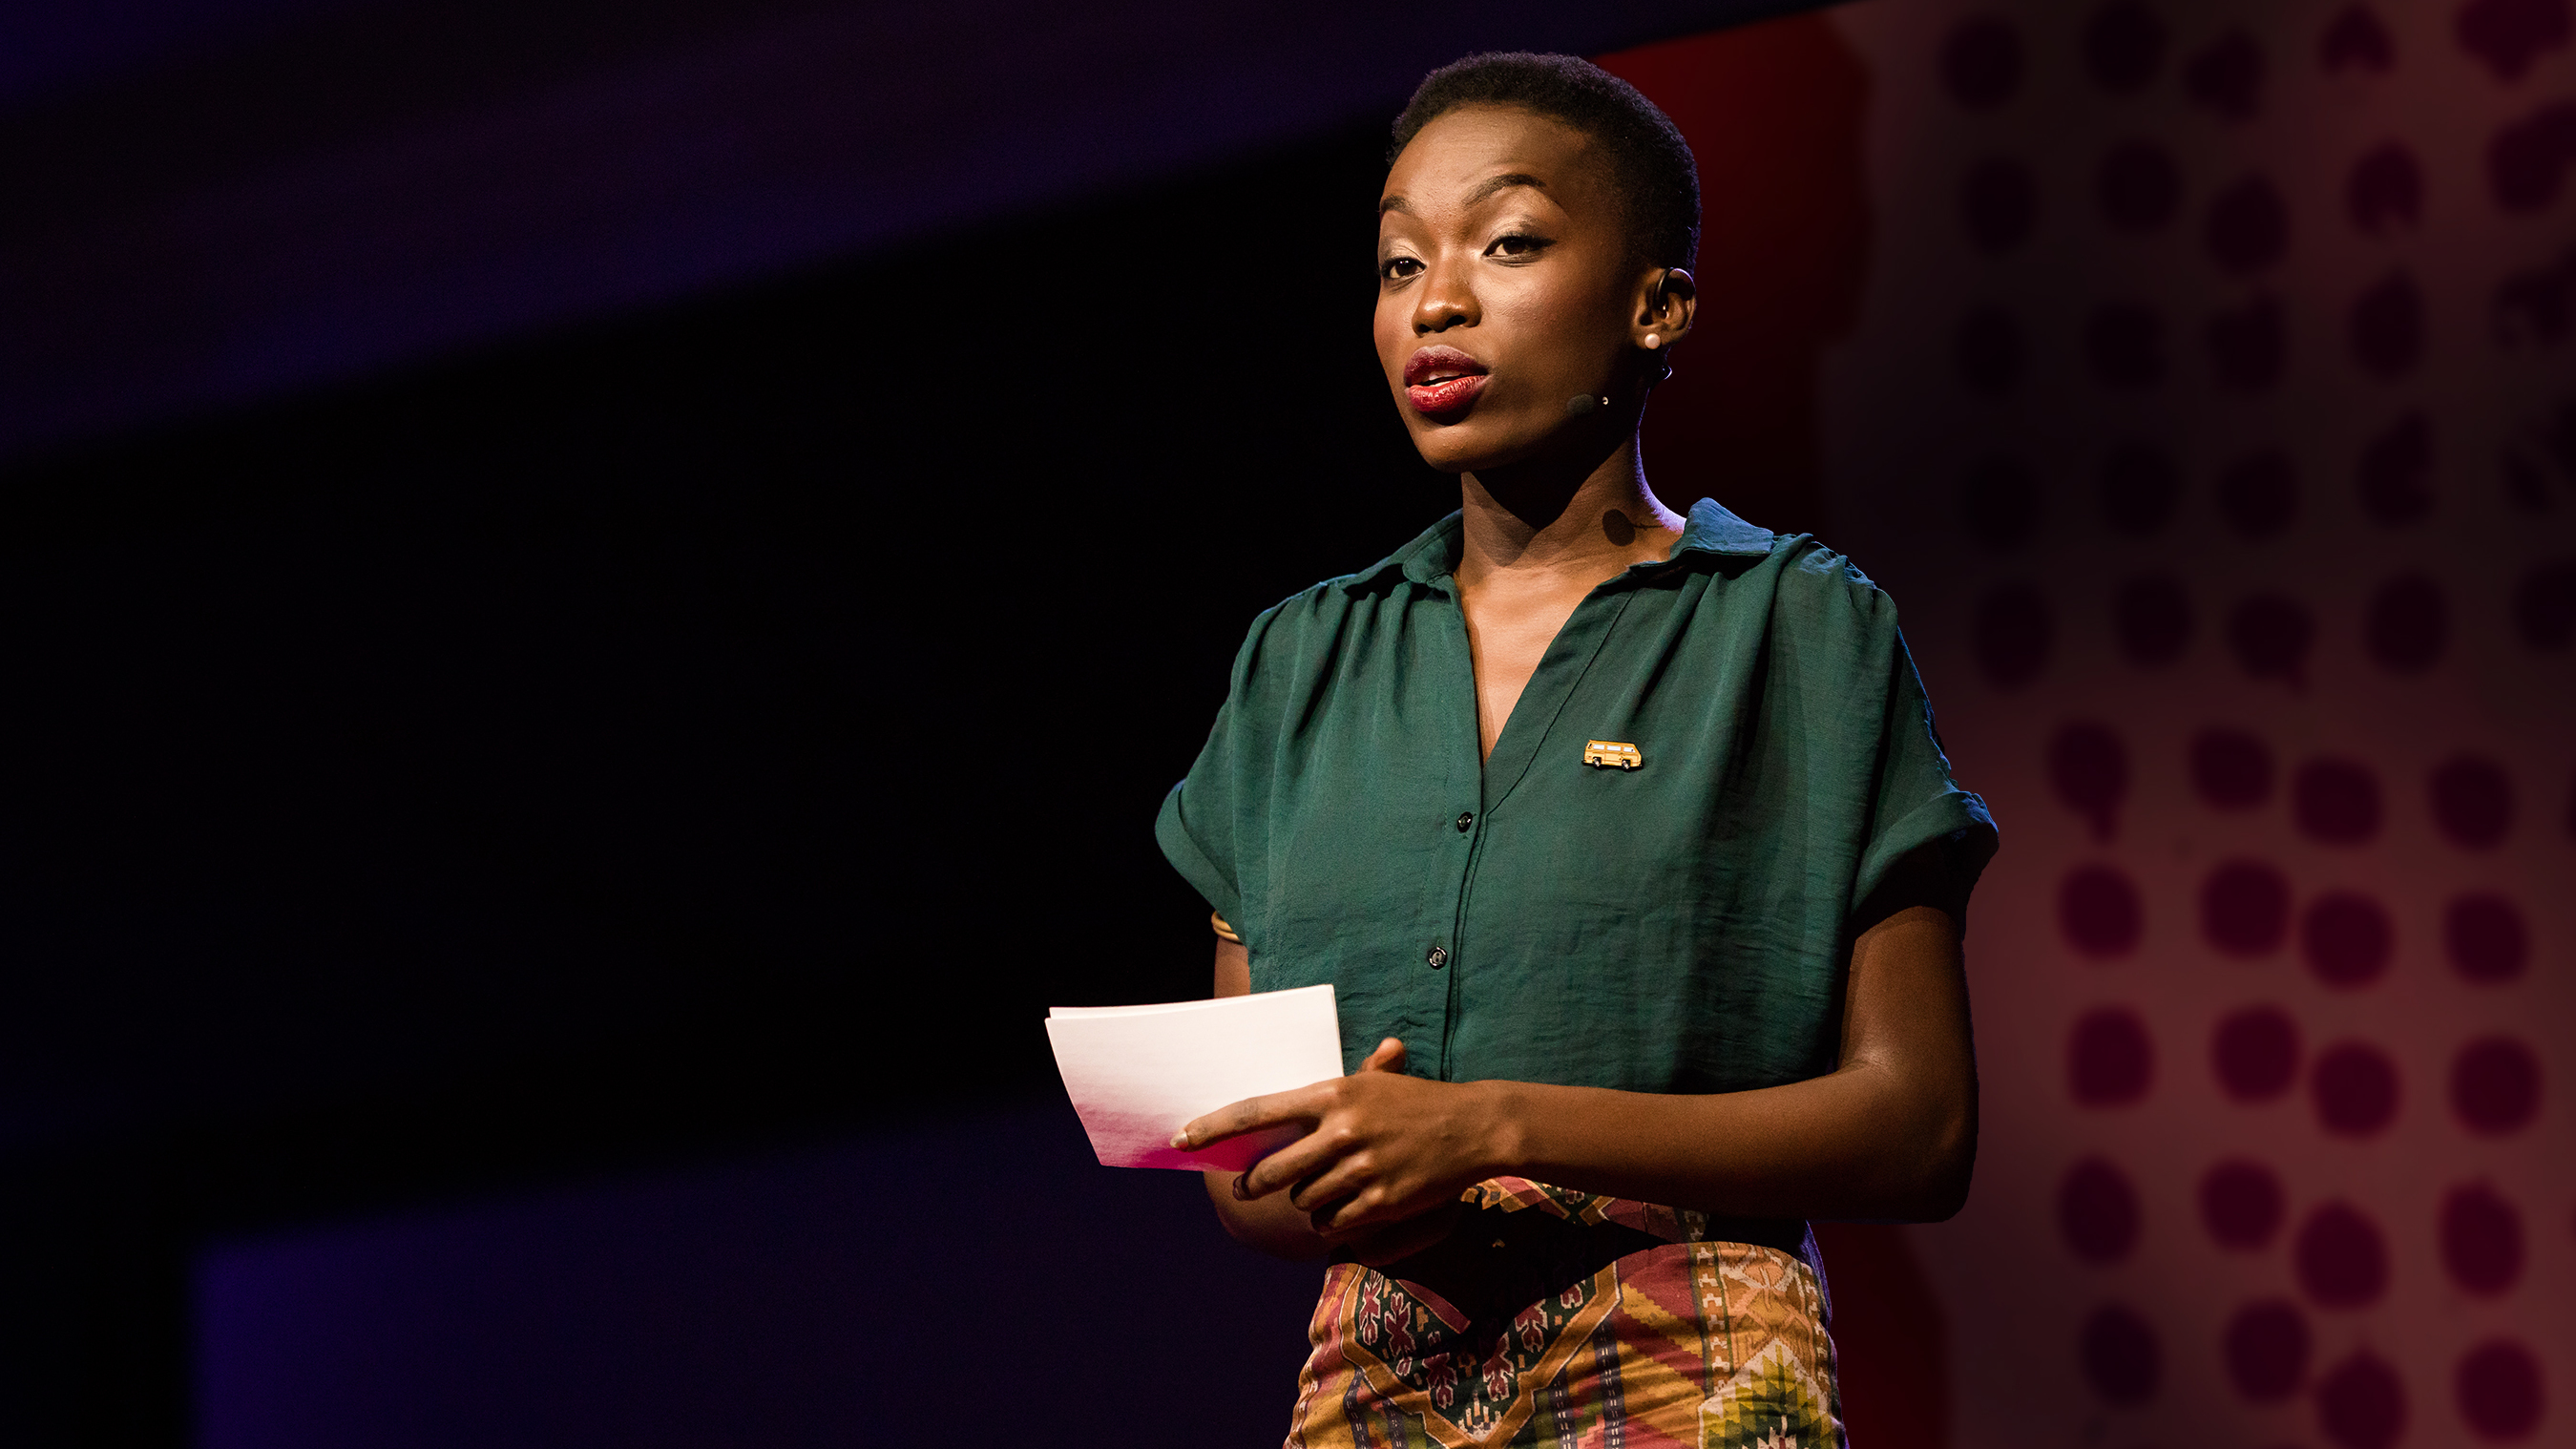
1181,1140
1240,1194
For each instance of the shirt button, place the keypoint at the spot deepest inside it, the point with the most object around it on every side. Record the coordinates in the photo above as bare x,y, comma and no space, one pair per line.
1438,958
1466,819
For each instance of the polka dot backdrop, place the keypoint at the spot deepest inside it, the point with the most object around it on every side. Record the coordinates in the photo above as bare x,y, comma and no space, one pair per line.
2212,414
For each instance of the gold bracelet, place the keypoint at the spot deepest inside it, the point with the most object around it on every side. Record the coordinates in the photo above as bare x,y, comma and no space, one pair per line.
1223,929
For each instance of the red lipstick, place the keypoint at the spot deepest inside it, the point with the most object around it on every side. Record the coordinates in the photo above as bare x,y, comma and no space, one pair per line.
1442,380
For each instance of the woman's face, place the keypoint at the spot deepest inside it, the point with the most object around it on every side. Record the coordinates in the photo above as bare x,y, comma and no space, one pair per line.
1506,284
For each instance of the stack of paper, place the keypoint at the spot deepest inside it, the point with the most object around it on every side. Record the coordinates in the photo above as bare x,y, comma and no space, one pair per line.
1137,1074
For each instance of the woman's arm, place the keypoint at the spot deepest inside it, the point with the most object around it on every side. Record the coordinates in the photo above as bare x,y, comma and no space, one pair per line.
1889,1134
1278,1226
1272,1224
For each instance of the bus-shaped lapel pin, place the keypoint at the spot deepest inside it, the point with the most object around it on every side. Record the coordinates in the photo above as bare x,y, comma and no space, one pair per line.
1612,754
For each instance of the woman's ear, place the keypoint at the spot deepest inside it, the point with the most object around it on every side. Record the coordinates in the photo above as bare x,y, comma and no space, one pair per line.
1665,313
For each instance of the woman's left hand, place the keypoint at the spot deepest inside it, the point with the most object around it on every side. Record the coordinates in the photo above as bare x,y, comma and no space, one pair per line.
1380,1147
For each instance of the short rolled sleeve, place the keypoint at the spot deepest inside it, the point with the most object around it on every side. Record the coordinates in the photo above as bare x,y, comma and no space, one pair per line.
1196,836
1202,819
1918,806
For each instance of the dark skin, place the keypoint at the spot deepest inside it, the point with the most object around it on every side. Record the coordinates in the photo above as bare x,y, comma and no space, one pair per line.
1501,236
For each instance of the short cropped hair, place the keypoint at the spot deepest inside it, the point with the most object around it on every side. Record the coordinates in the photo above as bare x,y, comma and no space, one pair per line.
1651,165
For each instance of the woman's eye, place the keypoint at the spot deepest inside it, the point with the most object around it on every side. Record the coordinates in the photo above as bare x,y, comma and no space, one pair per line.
1396,269
1516,244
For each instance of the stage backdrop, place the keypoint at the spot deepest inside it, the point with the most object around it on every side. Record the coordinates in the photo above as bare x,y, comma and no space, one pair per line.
2211,412
2197,377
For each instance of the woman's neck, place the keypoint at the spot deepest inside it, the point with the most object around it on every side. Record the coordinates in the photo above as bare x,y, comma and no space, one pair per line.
1549,517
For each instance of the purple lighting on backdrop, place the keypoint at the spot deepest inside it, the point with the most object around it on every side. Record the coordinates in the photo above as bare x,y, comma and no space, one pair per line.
844,1294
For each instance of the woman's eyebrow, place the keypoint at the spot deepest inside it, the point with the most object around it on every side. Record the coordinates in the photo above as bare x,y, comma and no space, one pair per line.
1485,188
1503,182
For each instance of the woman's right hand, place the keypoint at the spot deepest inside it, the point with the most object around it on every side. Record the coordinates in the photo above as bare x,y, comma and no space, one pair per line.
1278,1227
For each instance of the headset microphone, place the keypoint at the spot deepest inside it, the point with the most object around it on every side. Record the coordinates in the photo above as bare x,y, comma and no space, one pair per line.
1582,404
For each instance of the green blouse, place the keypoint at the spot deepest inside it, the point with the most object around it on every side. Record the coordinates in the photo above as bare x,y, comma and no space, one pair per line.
1675,918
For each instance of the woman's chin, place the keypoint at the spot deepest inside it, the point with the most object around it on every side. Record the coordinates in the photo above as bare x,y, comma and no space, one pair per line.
1459,450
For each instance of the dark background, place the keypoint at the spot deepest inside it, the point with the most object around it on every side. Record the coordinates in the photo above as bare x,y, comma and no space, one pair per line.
728,726
536,851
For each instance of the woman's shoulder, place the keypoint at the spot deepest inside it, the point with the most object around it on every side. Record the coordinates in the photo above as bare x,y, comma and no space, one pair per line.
1429,557
1310,625
1809,582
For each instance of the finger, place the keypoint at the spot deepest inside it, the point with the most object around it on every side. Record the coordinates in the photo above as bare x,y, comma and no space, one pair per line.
1294,1163
1336,1181
1389,1057
1249,1115
1346,1217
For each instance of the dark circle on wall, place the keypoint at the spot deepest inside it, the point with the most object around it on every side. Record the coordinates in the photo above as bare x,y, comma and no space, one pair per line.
2472,801
2532,307
2256,1053
2151,617
2527,161
2245,908
2361,1403
2121,1358
2124,46
2088,767
2485,938
2335,801
2387,326
2231,769
2406,624
1999,500
2011,634
2342,1260
2265,1349
2097,1211
2098,910
2544,605
2354,1089
2248,226
2481,1239
2138,186
2227,76
2510,34
2124,343
2346,938
2109,1060
2000,204
2385,189
2495,1085
2498,1388
2248,346
1988,349
2524,482
2270,636
2396,472
2139,489
2241,1204
1982,62
2356,39
2258,495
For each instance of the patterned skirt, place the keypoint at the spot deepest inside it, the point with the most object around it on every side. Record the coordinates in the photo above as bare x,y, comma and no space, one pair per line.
1556,1318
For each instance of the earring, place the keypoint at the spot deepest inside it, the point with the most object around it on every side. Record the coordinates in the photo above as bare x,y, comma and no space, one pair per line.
1654,340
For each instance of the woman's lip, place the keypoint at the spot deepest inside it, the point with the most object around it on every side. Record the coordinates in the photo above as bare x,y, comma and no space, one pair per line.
1421,365
1446,397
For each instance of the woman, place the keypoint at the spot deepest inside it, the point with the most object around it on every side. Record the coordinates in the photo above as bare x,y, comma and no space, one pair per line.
1624,836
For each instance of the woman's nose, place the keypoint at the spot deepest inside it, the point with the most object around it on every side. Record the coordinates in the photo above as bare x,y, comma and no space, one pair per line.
1444,303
